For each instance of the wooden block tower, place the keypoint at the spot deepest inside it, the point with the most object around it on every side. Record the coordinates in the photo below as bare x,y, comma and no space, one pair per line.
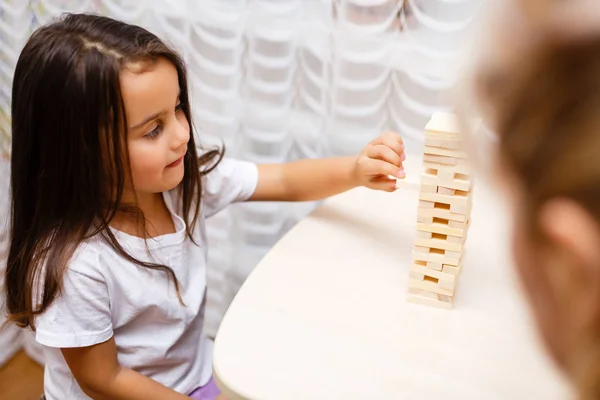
443,217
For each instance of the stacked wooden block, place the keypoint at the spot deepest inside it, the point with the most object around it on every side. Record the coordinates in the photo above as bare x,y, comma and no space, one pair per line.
445,200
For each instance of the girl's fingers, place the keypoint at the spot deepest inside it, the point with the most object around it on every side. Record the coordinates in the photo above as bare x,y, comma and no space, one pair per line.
382,183
384,153
379,167
391,140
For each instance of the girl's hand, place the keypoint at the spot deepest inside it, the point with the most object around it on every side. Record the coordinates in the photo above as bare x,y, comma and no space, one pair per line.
379,160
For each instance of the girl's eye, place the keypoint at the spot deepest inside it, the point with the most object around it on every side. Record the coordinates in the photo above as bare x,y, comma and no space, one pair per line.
154,133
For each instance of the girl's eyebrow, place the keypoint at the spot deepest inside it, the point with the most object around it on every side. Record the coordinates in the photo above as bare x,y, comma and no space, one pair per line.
147,119
152,117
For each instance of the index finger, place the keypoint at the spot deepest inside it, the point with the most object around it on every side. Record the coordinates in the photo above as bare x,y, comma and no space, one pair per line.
390,139
393,141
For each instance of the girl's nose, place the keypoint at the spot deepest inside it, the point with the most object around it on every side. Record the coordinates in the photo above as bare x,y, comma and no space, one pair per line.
181,133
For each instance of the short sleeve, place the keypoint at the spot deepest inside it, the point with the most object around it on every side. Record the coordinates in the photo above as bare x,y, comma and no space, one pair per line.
230,182
81,315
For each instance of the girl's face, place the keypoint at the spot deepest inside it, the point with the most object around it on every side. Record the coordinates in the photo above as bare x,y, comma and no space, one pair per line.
158,131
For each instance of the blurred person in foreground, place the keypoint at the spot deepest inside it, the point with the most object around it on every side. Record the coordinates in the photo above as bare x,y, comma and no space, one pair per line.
537,86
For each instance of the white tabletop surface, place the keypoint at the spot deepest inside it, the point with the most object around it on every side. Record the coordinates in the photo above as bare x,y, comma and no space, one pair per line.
324,315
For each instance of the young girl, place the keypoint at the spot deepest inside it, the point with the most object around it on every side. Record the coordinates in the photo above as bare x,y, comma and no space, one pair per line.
541,93
109,201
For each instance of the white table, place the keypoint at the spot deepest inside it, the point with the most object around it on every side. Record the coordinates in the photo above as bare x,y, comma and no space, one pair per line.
324,315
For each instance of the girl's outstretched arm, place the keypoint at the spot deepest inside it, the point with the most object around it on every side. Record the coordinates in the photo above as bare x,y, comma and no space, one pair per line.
100,376
315,179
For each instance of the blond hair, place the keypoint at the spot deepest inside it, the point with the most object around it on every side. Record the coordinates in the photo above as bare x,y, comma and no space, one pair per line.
543,96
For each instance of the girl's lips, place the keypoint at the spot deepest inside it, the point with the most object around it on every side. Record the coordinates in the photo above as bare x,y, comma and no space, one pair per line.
176,162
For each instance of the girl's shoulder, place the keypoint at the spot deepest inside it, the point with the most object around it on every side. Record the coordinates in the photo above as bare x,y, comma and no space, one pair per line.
232,181
97,260
87,257
95,252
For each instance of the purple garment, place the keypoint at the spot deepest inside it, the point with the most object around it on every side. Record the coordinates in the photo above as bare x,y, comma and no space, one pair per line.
210,391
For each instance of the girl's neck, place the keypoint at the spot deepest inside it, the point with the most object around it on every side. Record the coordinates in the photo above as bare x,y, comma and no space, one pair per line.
150,203
157,217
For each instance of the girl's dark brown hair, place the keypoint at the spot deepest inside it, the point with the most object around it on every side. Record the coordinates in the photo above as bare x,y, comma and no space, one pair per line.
69,164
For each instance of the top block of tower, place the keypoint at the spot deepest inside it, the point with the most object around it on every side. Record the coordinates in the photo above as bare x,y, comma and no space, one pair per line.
443,141
444,123
443,131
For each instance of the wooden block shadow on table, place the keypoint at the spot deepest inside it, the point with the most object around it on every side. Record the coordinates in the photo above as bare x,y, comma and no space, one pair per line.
443,217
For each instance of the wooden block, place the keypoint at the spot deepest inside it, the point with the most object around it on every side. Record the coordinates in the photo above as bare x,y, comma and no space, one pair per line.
460,208
438,244
424,219
424,293
438,266
442,173
445,279
443,122
453,254
426,204
457,217
422,250
431,285
459,225
425,264
456,239
438,151
423,235
435,257
449,180
448,123
445,176
451,269
434,265
440,230
428,188
460,200
445,191
444,160
463,169
449,136
441,213
416,275
439,225
445,303
444,142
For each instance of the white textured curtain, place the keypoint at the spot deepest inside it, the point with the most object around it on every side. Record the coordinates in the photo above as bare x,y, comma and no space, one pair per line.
278,80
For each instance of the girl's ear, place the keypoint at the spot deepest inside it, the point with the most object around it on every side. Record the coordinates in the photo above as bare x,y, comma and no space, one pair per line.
573,257
573,229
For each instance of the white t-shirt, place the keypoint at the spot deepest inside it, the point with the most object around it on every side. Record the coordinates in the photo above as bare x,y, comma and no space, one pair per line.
105,295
